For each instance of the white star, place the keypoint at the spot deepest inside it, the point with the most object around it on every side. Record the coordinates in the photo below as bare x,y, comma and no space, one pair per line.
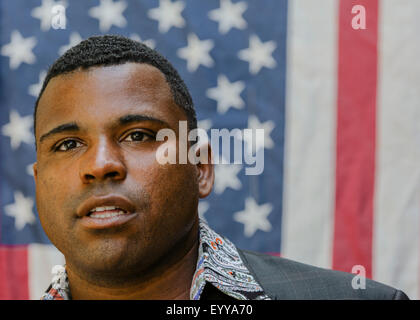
168,15
30,169
227,94
196,52
226,177
109,13
261,141
45,13
19,50
258,54
150,42
35,88
229,15
204,124
18,129
203,206
75,39
254,217
21,210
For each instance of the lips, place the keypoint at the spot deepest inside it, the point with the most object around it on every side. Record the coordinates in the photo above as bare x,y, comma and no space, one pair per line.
106,201
106,212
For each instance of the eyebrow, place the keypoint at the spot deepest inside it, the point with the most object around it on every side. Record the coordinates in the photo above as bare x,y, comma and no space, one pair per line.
131,118
124,120
67,127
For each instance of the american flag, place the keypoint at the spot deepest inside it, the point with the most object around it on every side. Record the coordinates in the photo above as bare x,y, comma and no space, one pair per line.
340,107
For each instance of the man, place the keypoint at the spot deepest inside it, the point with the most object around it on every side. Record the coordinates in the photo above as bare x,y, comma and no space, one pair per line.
128,225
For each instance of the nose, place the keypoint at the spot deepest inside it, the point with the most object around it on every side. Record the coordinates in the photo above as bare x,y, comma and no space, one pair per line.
101,162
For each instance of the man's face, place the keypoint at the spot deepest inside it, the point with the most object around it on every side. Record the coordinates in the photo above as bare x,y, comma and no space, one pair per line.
105,157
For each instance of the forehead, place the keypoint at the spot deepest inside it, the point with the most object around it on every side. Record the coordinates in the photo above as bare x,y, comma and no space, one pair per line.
100,93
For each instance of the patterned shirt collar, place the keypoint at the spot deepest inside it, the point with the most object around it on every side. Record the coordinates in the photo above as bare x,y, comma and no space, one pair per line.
218,264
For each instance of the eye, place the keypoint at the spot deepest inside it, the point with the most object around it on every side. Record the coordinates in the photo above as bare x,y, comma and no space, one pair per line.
67,144
138,136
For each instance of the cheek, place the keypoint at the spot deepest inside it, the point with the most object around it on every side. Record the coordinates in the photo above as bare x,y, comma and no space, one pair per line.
51,204
173,188
49,190
173,204
60,179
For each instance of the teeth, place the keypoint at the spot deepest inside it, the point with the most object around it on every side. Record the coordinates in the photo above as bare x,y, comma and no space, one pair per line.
107,215
104,208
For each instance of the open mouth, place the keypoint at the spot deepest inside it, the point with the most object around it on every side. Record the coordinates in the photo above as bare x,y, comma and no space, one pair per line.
107,217
106,212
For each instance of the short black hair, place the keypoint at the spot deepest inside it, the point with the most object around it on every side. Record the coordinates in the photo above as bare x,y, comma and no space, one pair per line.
106,50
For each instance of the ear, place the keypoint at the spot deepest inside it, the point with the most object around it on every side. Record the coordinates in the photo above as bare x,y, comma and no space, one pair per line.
205,170
35,169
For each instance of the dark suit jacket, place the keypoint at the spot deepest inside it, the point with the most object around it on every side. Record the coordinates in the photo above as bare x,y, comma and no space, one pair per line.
286,279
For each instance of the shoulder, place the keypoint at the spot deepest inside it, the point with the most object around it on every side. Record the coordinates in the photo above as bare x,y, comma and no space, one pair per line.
286,279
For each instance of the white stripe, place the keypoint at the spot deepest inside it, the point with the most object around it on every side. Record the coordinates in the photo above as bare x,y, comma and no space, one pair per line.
309,182
397,203
41,258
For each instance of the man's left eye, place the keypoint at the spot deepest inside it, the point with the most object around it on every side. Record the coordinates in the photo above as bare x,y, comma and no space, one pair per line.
139,136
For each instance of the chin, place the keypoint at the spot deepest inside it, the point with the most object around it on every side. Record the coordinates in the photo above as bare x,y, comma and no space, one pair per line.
114,259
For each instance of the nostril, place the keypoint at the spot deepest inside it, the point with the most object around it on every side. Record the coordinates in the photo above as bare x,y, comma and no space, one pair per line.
99,171
112,174
89,177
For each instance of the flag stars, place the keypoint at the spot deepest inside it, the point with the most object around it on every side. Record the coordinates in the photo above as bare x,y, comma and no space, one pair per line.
18,129
204,124
75,39
168,15
19,50
261,141
30,169
254,217
21,210
35,88
226,176
149,42
109,13
203,206
227,94
196,53
258,54
229,16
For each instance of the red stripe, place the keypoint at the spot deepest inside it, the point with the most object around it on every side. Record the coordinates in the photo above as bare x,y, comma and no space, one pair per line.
14,273
275,254
356,115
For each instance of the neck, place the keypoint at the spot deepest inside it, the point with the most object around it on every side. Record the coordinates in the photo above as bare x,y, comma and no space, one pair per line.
166,281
